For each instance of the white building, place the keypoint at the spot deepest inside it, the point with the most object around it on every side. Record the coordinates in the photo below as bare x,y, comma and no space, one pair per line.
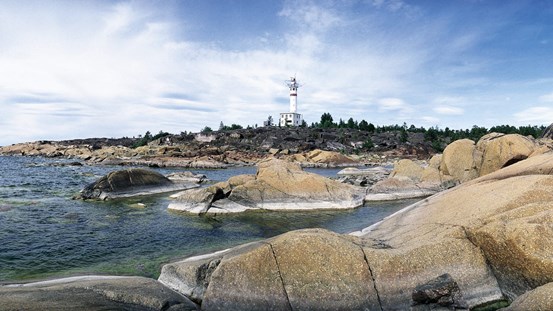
292,118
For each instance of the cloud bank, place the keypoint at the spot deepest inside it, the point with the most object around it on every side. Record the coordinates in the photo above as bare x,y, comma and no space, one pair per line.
82,69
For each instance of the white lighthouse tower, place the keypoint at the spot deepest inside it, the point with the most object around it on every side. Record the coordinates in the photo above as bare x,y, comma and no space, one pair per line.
292,118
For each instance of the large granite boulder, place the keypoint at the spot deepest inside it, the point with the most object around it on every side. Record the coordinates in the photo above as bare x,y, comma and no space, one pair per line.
311,269
539,299
500,150
492,236
93,293
133,182
278,185
407,168
461,160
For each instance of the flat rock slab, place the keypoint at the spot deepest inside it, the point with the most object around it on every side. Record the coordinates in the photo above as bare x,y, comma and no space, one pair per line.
93,293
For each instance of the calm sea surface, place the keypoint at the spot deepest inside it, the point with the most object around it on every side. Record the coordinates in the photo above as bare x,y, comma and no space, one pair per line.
44,233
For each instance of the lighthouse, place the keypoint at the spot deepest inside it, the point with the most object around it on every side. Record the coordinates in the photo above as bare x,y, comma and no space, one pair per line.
292,118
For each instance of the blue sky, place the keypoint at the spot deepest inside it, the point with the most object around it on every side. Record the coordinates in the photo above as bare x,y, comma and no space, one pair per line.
75,69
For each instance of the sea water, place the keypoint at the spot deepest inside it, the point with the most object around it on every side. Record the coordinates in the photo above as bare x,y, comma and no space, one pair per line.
44,233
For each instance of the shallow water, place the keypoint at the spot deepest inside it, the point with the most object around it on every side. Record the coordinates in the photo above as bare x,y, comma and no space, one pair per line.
44,233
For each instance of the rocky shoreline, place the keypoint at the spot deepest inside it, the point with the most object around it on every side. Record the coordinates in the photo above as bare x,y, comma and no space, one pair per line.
481,241
244,147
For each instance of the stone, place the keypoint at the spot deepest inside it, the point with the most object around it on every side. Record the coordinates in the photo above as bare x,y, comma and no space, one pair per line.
407,168
540,298
93,293
131,182
400,187
300,270
461,160
187,177
473,246
499,151
328,157
278,185
442,291
197,201
494,227
191,276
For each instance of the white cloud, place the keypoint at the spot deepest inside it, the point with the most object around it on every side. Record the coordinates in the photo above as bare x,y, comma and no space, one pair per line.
448,110
392,104
547,98
535,115
430,121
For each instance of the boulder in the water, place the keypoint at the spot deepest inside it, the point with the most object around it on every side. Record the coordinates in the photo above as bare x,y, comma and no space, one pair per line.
132,182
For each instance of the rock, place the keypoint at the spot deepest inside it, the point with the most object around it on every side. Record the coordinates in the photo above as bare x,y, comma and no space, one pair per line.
548,132
197,201
131,182
540,298
461,160
273,151
499,151
465,247
191,276
501,216
187,177
442,291
278,185
331,158
407,168
300,270
363,177
400,187
93,293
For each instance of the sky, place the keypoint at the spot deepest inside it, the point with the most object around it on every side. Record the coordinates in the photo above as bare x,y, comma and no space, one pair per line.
77,69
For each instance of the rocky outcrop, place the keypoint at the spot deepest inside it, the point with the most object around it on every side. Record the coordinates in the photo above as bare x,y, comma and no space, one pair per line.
322,158
136,181
363,177
462,161
93,293
410,179
278,185
500,150
484,242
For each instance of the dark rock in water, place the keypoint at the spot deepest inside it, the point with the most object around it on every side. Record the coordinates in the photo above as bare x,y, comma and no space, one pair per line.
442,291
131,182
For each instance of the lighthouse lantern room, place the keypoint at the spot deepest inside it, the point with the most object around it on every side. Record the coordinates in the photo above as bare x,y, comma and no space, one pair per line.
292,118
